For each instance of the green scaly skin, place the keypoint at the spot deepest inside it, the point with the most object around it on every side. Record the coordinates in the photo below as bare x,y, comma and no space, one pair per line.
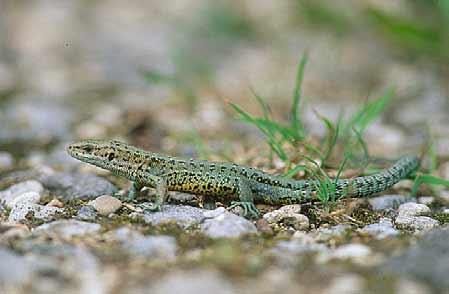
222,180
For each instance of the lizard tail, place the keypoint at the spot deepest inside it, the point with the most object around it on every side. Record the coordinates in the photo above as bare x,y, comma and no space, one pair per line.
368,185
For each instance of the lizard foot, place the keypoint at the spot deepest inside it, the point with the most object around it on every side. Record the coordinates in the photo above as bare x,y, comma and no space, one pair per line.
123,197
154,208
130,195
249,209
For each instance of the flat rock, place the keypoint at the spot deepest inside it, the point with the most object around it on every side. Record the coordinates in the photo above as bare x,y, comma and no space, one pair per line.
21,211
427,260
9,195
67,229
106,204
381,230
27,197
146,246
389,201
220,223
183,215
78,186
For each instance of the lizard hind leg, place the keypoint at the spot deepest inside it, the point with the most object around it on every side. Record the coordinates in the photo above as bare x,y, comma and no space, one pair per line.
246,200
134,191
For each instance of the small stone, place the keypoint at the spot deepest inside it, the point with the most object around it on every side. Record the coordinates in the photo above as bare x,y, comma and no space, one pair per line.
416,223
17,190
381,230
426,200
264,227
388,201
106,204
67,229
21,211
27,197
86,213
6,161
55,203
183,215
78,186
288,215
214,213
181,197
410,217
413,209
148,246
220,223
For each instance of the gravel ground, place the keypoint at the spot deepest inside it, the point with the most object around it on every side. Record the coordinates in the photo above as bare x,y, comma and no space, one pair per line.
75,70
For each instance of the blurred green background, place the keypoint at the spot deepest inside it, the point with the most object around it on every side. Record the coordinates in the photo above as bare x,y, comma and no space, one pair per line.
176,64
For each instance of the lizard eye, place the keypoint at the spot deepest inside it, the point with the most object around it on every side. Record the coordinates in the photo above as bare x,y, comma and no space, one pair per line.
88,149
111,156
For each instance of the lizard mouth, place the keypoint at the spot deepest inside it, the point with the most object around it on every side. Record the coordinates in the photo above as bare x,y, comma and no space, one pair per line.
81,150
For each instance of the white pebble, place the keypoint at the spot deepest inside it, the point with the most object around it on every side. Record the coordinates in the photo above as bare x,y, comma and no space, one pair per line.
413,209
106,204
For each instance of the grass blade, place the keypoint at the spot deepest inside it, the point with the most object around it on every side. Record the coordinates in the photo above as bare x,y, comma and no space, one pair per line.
296,121
429,180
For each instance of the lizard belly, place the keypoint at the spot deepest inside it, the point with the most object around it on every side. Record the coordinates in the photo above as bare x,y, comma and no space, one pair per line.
201,183
267,194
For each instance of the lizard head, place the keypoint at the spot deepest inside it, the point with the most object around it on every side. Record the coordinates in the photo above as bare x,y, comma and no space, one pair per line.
107,154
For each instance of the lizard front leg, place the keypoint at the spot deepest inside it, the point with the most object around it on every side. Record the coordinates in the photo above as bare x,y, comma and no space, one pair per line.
134,190
160,184
246,200
157,182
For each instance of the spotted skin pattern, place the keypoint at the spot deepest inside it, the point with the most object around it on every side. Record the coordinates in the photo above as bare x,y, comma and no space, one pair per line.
219,179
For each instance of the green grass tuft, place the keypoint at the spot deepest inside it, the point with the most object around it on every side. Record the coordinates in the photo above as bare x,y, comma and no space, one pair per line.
344,135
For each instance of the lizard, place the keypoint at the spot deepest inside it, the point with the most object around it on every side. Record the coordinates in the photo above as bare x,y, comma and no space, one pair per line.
246,185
